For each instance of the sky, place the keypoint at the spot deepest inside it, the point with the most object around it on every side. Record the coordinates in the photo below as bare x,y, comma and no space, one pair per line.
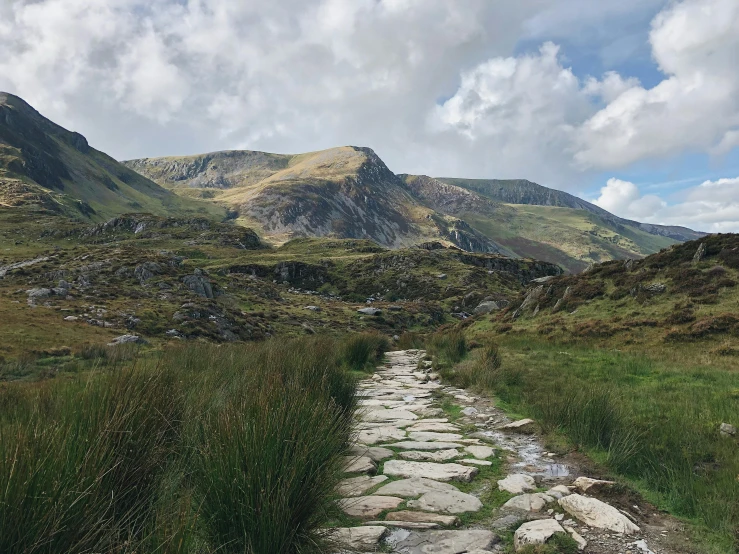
631,104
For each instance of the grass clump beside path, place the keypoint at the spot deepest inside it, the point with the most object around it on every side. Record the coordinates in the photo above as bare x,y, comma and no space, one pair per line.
653,419
209,449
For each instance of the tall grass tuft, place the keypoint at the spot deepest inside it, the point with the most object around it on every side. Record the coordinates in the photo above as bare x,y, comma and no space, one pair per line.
448,346
362,351
207,449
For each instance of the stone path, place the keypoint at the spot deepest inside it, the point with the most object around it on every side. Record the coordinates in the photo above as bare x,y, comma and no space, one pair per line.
413,473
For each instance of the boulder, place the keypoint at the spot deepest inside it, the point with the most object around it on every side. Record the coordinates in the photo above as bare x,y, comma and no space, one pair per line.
727,430
518,483
486,308
370,311
127,339
448,502
199,284
595,513
535,532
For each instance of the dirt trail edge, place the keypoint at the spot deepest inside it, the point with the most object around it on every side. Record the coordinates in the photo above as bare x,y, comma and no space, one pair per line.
436,470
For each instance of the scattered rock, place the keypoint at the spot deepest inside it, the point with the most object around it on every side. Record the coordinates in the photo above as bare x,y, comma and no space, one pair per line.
313,308
654,288
535,532
71,318
522,426
127,339
370,311
448,502
518,483
727,430
700,253
595,513
581,542
486,308
469,411
592,486
559,491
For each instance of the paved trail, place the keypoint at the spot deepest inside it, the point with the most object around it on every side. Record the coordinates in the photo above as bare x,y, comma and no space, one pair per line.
414,477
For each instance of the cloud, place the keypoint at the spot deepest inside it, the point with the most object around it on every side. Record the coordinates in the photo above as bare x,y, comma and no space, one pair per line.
432,85
712,206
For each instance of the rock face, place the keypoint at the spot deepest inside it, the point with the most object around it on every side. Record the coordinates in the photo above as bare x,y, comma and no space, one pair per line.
486,308
595,513
535,532
199,284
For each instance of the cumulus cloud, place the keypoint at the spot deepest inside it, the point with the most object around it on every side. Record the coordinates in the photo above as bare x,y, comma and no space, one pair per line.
432,85
712,206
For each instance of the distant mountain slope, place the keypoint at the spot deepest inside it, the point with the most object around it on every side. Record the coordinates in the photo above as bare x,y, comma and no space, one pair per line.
542,223
521,191
345,192
45,166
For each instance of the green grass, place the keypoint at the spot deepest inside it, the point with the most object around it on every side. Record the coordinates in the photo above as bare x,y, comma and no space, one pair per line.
207,449
362,351
654,421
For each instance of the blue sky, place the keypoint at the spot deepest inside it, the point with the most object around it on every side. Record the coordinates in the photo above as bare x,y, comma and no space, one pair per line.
633,104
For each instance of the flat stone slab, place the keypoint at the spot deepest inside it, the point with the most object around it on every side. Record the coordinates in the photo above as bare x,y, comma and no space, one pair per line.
359,538
367,507
481,452
476,462
357,486
431,436
391,414
374,453
424,445
380,434
595,513
518,483
430,455
406,515
433,426
536,532
411,488
406,524
444,542
359,464
588,485
430,470
448,502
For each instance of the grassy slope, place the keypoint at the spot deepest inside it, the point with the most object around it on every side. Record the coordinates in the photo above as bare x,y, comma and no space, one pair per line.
640,382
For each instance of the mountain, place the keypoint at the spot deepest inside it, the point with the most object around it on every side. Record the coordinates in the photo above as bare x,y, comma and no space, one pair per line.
47,167
345,192
535,221
521,191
